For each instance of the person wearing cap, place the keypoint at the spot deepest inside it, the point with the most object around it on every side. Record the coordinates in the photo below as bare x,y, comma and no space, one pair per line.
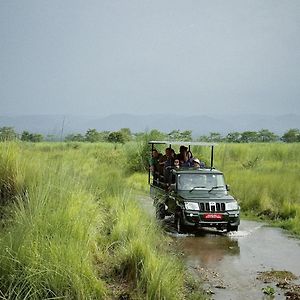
197,163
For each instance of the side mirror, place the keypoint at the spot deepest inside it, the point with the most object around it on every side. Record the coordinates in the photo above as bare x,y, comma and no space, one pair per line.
228,187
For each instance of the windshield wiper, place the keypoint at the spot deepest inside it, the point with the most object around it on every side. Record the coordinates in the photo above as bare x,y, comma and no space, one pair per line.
197,187
215,187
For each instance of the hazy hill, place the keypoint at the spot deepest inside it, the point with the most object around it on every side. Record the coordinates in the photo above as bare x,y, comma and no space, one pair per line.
199,124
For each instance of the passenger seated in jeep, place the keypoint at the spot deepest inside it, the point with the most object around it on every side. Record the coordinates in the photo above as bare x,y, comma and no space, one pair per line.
198,164
182,150
166,163
167,159
187,161
154,165
176,164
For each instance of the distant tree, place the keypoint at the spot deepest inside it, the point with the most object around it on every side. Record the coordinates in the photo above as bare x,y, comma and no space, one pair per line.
264,135
7,134
233,137
138,135
116,137
203,138
186,135
25,136
36,137
291,136
153,135
103,136
174,135
92,136
31,137
249,137
177,135
76,137
215,137
127,135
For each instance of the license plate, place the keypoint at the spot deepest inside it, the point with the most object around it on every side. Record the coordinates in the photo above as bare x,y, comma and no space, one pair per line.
213,216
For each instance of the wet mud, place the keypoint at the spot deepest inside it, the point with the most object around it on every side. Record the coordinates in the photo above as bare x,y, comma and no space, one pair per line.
235,265
257,262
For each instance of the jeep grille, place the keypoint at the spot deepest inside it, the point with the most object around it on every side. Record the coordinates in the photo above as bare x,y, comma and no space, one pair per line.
206,206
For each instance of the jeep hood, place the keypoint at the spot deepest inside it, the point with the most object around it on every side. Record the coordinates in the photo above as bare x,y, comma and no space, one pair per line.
205,195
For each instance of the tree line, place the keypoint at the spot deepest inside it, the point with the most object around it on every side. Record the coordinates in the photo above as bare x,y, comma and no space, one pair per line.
125,135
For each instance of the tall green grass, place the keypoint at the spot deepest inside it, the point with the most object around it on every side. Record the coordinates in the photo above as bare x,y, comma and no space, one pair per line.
11,173
263,177
139,253
46,250
73,229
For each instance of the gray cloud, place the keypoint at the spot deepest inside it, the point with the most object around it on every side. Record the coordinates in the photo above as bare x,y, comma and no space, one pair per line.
104,57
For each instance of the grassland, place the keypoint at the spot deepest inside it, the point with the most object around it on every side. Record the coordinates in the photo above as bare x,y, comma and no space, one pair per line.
71,229
265,178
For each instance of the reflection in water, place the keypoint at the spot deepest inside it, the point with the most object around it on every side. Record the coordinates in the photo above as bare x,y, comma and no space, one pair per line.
204,247
208,249
233,260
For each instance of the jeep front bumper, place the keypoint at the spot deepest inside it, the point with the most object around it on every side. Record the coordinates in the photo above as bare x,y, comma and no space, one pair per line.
211,219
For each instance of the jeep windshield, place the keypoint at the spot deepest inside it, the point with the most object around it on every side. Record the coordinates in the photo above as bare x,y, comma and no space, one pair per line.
191,182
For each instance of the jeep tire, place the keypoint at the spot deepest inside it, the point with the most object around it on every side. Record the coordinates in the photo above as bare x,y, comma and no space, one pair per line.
232,228
160,211
178,220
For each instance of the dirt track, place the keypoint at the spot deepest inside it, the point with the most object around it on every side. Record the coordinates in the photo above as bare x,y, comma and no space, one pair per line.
231,263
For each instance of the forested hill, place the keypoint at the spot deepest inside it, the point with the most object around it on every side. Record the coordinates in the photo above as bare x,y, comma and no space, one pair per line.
199,124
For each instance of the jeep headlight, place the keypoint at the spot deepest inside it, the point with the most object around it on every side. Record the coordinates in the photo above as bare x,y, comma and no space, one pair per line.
191,206
231,206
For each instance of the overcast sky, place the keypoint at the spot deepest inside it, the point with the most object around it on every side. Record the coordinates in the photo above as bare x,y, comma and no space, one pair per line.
149,56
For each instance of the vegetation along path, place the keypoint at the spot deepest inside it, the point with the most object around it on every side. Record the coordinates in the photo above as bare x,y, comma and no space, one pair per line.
69,229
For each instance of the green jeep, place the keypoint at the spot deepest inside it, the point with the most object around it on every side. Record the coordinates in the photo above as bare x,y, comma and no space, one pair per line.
196,197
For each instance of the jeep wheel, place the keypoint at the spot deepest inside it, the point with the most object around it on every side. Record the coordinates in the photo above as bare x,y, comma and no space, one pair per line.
178,222
232,228
221,227
160,211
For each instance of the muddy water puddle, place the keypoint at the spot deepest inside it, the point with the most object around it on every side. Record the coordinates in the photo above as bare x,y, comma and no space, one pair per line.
230,264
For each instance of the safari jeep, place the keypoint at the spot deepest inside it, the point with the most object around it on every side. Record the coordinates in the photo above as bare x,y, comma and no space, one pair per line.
196,197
